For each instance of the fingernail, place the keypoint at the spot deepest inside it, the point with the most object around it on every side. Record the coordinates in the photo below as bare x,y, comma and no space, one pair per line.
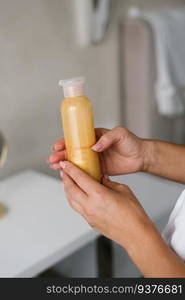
56,166
97,147
62,164
58,147
51,158
61,174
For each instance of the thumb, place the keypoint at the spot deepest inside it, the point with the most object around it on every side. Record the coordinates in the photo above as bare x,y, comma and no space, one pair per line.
108,138
114,185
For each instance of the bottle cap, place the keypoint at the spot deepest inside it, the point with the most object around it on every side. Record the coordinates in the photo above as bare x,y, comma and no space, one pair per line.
73,87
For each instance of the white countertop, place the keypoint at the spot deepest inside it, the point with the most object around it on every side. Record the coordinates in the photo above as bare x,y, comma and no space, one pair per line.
40,227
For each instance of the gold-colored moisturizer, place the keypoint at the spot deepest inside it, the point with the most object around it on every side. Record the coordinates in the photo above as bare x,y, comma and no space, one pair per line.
78,126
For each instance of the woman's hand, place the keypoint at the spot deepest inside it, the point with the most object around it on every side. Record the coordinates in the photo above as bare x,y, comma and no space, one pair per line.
120,151
111,208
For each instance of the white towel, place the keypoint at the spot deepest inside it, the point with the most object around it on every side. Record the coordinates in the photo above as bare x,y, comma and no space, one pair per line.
174,232
168,25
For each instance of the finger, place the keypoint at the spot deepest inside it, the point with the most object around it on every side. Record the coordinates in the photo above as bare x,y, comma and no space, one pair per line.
108,138
55,166
73,191
57,157
83,180
100,131
116,186
102,163
59,145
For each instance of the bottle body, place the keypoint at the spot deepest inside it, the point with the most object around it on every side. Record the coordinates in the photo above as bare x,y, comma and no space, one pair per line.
79,134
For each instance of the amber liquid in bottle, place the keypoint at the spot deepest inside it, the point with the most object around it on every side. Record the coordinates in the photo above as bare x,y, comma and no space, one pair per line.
78,126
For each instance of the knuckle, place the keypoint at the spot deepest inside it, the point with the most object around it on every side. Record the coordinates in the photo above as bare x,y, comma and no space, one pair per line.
67,190
125,188
118,128
70,202
120,186
90,221
90,211
104,139
97,193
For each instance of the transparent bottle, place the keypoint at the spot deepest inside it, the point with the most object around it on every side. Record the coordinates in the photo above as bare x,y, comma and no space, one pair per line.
78,126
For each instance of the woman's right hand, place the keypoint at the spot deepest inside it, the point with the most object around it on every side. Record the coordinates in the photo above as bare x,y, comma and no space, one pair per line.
121,152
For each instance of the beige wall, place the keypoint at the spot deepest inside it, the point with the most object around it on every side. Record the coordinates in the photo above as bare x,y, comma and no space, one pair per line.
38,47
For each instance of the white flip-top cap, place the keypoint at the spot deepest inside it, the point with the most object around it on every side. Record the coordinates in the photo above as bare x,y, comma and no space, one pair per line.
73,87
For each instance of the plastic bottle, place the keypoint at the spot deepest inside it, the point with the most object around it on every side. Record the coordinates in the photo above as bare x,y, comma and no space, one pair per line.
78,126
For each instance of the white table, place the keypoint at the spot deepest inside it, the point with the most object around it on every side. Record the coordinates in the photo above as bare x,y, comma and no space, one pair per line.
40,227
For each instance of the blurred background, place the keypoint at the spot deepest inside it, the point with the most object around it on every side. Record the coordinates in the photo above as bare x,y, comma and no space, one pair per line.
43,41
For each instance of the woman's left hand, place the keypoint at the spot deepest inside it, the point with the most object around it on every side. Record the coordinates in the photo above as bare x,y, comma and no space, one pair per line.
110,208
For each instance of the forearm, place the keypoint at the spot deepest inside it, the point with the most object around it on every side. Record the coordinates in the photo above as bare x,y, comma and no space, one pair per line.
153,257
165,160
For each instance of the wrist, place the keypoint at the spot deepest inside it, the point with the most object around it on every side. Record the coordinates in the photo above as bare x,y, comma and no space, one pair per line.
153,257
144,231
142,247
148,155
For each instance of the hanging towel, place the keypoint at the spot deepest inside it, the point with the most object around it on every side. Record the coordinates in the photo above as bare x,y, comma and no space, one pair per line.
168,25
174,232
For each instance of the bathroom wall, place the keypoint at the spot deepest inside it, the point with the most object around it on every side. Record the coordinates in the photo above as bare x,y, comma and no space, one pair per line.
38,46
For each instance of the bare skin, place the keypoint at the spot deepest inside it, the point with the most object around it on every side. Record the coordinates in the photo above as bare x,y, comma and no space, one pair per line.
120,151
111,208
